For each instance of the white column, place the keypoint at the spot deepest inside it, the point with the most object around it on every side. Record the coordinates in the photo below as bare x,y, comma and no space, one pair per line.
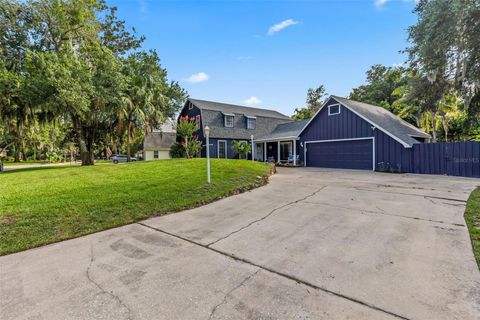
278,150
294,152
264,152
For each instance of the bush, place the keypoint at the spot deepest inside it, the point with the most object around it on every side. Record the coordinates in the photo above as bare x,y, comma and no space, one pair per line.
242,148
53,157
177,150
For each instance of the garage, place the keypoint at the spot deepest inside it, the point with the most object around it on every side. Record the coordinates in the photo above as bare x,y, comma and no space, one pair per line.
341,154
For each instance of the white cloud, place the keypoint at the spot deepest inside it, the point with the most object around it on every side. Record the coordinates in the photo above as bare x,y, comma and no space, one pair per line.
197,77
281,25
245,58
252,101
380,3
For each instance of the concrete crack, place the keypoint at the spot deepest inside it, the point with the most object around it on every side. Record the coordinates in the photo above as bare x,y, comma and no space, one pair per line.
214,309
410,194
266,216
383,212
278,273
102,290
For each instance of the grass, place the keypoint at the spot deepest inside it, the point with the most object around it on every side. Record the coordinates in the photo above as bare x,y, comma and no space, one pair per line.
472,217
49,204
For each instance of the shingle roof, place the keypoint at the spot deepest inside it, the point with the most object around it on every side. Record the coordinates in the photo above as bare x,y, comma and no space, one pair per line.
236,109
385,120
285,130
212,116
159,140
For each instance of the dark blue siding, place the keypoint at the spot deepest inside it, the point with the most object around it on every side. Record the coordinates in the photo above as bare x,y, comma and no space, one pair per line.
390,155
340,126
214,149
453,158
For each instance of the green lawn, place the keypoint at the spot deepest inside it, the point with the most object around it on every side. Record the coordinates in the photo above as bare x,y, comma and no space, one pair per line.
472,217
49,204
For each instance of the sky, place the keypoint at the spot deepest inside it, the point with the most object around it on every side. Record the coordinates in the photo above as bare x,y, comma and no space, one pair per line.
265,53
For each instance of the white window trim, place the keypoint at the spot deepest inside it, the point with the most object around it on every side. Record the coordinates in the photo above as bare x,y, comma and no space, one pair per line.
218,149
339,140
225,120
254,123
334,113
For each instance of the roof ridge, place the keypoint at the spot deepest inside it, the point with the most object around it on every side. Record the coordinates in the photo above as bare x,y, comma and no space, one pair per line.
234,105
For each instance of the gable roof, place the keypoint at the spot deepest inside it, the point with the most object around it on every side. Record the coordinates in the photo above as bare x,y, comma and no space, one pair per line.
212,116
382,119
285,130
237,109
159,140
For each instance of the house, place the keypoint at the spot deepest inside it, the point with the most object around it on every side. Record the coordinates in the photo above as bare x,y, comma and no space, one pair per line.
342,134
229,122
157,144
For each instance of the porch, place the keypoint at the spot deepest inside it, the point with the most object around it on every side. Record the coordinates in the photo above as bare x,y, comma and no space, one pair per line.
278,151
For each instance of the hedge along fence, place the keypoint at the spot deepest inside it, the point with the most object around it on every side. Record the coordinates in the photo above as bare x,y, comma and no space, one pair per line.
450,158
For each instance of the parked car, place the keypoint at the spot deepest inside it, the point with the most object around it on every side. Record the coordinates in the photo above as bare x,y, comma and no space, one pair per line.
116,158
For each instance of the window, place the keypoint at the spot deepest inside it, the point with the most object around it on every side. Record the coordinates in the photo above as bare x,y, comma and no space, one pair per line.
190,106
222,149
333,109
229,121
155,154
251,122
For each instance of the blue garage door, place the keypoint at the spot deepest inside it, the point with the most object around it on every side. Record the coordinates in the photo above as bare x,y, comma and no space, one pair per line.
355,154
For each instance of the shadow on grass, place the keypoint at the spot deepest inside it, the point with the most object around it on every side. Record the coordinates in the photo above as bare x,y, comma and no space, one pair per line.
10,171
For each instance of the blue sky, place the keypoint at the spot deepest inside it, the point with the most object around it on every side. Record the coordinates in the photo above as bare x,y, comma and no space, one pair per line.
268,53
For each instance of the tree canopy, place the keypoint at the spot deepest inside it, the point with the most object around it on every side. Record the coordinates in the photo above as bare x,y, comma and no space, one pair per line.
74,62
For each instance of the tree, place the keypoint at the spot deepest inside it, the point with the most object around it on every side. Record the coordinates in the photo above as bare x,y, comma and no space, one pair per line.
382,82
314,102
148,98
445,43
186,129
428,94
242,148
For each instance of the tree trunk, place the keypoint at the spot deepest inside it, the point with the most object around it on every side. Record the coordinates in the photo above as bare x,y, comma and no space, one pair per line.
85,137
17,154
434,132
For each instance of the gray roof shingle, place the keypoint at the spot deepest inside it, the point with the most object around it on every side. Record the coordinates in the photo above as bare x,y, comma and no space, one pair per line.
159,140
236,109
286,130
213,117
386,120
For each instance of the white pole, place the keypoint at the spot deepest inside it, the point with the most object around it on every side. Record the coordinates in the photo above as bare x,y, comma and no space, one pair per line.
208,160
253,158
278,151
294,153
264,152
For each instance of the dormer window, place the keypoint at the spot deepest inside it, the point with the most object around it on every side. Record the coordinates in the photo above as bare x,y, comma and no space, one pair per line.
251,122
333,109
228,119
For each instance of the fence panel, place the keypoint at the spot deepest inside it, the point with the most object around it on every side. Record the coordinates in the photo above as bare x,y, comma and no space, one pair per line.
451,158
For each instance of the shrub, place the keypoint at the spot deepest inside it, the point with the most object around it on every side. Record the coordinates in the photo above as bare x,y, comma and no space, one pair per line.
177,151
242,148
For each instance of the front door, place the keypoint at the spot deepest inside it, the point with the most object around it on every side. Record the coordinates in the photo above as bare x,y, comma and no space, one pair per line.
222,149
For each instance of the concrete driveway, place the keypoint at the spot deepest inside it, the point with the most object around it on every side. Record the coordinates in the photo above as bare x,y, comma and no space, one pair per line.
313,244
